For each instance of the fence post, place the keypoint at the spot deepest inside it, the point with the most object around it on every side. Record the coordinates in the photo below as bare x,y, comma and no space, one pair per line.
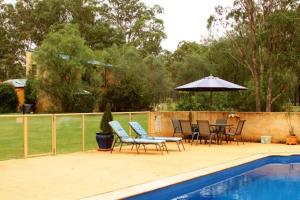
82,131
149,122
54,134
25,130
130,119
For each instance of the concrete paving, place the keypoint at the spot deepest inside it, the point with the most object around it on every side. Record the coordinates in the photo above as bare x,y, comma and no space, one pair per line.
88,174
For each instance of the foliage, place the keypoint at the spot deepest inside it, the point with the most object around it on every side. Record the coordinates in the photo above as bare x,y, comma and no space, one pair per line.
35,19
188,102
137,81
107,117
8,98
138,23
30,90
289,115
265,35
62,58
10,46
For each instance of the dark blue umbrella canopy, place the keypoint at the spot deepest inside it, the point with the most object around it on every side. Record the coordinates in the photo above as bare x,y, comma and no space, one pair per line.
210,83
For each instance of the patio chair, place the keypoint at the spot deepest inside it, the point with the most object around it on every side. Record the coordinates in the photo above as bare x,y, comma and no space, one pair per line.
176,127
187,130
236,132
205,131
221,130
124,138
140,131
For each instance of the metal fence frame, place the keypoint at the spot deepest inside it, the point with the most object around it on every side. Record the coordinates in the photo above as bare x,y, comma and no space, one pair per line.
53,127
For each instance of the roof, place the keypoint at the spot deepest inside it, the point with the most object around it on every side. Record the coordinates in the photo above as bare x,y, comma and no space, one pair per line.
17,83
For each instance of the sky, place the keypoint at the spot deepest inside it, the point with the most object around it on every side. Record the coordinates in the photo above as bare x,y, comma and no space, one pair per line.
184,19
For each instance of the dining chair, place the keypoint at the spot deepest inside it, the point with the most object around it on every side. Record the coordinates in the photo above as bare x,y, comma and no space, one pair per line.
187,130
176,127
237,132
205,132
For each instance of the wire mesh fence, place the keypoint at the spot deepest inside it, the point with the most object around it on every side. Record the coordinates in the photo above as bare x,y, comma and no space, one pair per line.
23,136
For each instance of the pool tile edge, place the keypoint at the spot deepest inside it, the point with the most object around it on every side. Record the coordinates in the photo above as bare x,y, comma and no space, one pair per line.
149,186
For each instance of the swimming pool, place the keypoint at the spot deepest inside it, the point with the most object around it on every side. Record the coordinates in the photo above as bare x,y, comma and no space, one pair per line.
273,177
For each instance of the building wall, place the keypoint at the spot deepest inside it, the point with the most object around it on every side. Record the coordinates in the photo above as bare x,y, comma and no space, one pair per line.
257,123
21,95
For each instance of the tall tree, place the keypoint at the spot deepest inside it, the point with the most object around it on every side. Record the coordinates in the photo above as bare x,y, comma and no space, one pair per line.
34,19
246,23
10,46
62,58
138,23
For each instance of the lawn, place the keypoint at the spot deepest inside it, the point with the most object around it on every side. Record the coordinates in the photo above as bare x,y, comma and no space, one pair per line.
68,133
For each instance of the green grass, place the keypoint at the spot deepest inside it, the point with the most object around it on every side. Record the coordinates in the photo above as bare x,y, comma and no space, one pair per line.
68,133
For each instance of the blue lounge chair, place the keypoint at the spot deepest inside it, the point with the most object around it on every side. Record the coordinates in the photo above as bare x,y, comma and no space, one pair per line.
144,135
123,137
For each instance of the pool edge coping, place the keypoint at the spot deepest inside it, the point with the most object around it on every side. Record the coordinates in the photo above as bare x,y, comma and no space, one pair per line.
164,182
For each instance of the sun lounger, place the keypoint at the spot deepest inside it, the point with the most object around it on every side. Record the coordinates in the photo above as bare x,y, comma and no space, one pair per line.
124,138
140,131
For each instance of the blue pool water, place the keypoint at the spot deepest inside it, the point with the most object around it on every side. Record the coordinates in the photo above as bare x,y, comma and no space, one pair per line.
271,178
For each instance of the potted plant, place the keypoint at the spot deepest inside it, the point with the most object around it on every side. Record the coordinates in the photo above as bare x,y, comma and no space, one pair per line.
291,138
106,137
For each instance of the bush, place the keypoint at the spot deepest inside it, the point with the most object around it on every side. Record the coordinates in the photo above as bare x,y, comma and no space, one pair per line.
83,103
8,99
30,92
107,117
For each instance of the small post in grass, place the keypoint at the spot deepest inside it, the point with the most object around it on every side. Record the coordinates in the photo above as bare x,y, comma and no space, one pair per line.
82,131
149,121
130,119
25,129
53,120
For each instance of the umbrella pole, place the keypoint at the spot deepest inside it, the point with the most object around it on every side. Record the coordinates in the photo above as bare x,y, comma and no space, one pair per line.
210,100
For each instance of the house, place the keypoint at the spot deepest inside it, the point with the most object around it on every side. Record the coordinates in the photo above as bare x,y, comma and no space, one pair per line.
19,85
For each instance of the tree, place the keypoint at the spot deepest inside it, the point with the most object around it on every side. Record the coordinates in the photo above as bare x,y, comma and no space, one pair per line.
127,90
247,24
138,23
62,58
34,19
10,46
8,98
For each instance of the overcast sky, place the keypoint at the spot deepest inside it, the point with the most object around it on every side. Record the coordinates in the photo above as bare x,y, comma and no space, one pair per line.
184,19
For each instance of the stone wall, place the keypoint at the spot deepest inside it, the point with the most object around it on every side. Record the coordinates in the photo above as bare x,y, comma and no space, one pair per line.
257,123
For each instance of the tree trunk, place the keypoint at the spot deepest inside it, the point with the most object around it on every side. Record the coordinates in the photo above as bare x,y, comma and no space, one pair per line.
269,92
257,93
299,93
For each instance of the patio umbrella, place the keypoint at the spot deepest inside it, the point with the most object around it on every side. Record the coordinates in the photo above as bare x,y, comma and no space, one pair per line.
210,84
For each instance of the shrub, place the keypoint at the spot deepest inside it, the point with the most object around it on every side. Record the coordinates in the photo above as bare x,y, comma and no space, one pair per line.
107,117
8,98
30,91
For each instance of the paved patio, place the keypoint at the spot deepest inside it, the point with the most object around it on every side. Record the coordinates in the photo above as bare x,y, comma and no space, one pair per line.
88,174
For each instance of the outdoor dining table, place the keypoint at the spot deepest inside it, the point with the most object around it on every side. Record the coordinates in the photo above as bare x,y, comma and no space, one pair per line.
219,133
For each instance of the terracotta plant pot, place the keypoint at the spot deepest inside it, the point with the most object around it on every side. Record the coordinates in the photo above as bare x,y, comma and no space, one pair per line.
291,140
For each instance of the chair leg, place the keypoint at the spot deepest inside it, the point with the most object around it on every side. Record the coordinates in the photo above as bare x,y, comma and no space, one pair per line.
236,138
160,149
112,148
182,145
166,147
121,146
198,135
242,140
132,146
210,137
178,146
137,148
156,147
144,147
